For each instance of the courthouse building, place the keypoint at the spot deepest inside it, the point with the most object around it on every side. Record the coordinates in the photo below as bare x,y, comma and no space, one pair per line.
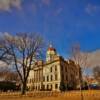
52,73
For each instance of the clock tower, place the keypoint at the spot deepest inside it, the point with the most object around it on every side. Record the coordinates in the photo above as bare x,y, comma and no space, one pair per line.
51,52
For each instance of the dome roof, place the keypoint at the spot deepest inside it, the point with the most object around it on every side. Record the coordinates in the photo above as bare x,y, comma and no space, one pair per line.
50,48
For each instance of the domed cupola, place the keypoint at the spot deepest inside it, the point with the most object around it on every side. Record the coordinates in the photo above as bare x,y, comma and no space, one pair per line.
51,52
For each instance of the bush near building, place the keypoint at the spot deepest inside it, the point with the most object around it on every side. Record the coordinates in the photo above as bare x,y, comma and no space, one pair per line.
7,85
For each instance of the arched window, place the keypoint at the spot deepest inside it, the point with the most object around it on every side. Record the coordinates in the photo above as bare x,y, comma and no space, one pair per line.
56,77
47,86
51,77
43,78
47,78
56,86
30,80
66,69
51,86
55,67
51,69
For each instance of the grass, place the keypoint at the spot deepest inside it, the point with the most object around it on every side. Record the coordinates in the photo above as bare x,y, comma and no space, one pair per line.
74,95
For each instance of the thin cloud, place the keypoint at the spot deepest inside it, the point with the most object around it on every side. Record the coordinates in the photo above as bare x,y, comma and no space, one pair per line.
91,9
46,2
32,7
93,58
6,5
58,11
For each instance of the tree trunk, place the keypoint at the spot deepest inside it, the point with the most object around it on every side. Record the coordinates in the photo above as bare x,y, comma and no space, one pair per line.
23,88
81,83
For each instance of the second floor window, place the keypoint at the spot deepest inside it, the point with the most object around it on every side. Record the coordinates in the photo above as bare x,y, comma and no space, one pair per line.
55,68
47,78
62,77
66,77
61,68
56,77
30,80
43,78
51,69
51,77
66,69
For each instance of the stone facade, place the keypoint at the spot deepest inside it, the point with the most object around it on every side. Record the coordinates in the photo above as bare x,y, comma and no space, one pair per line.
49,75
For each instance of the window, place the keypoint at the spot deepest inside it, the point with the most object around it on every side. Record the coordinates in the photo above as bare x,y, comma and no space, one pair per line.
56,77
51,77
43,87
56,86
43,78
47,86
51,69
30,80
51,86
62,68
36,87
47,78
62,77
66,77
55,68
66,69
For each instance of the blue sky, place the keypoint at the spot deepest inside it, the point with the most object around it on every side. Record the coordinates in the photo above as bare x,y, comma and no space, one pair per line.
61,22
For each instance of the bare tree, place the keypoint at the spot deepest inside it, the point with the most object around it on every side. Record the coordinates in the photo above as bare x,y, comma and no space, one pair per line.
81,60
21,51
96,73
8,75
